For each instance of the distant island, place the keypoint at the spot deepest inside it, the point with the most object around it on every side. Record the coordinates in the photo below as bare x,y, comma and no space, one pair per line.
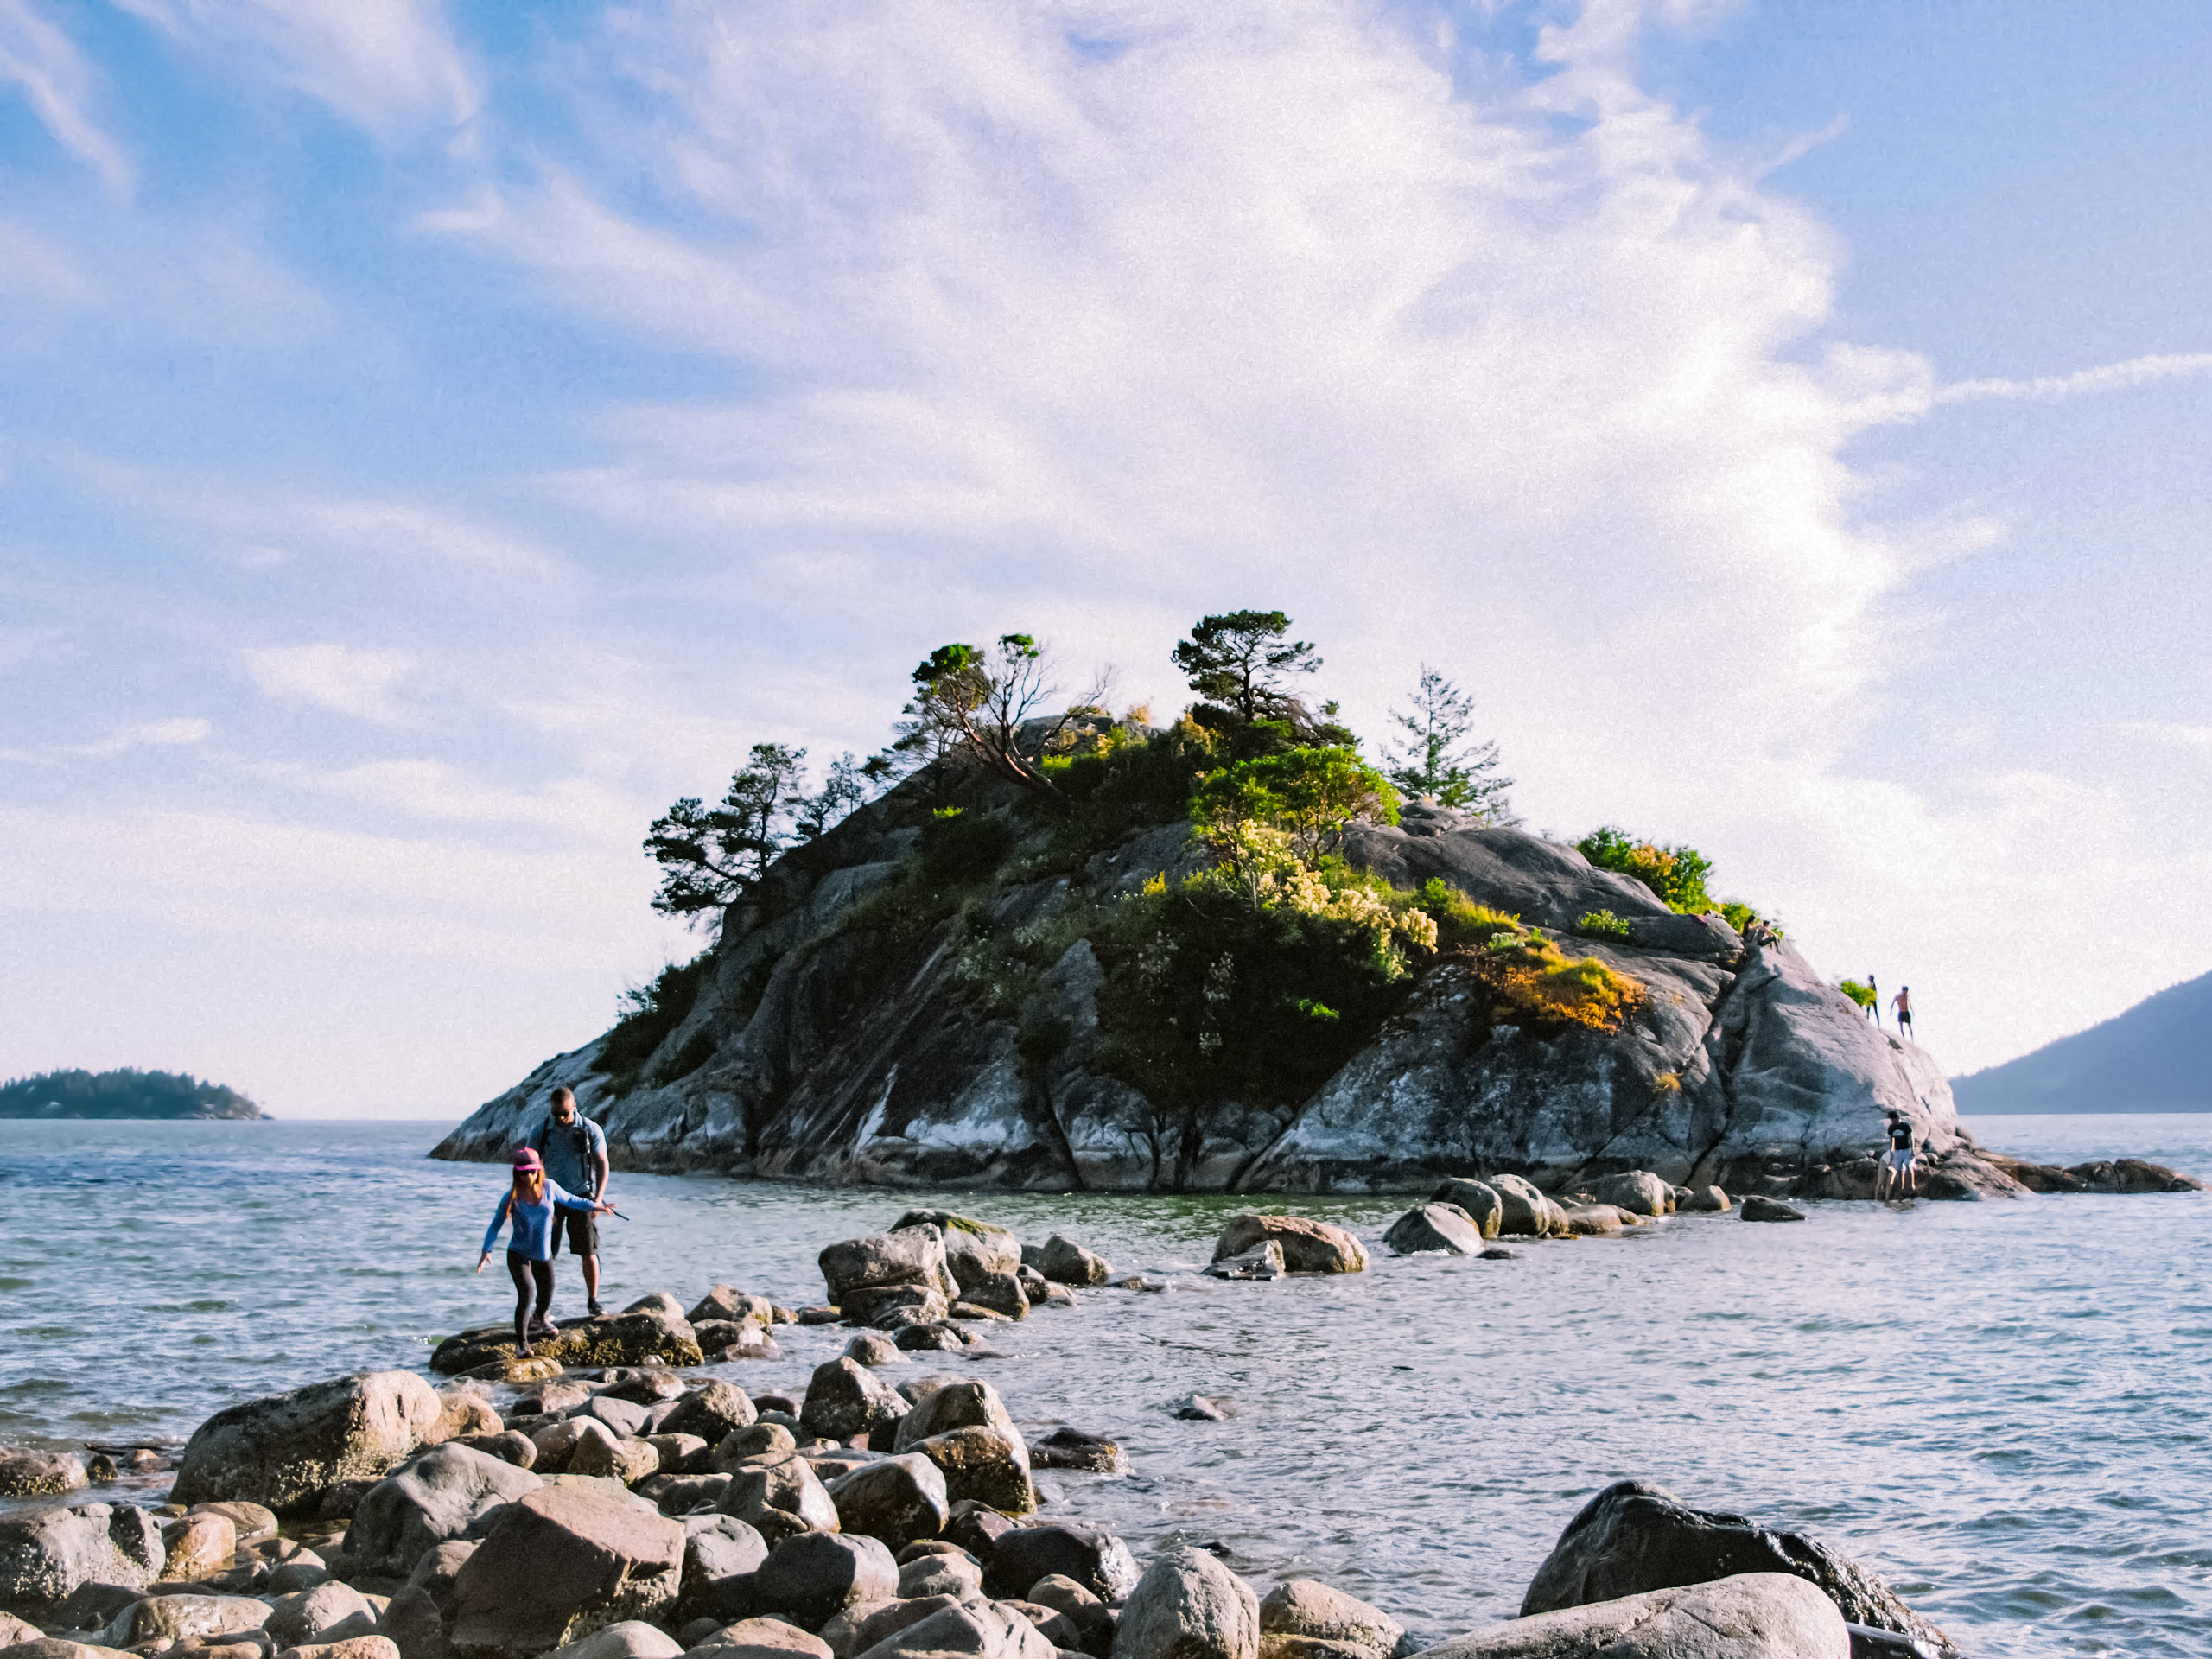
124,1094
2155,1056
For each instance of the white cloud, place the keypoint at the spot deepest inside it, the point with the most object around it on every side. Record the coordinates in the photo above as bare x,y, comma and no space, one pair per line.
340,677
2112,377
154,734
384,64
45,64
434,790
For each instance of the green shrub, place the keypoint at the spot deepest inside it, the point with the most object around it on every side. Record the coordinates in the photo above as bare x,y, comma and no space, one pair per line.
1460,922
1310,793
1676,873
1740,916
1603,923
649,1013
1862,995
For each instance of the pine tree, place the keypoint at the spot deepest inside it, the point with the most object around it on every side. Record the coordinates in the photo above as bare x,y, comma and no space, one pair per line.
1435,760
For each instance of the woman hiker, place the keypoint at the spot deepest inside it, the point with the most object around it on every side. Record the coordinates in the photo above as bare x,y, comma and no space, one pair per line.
529,1203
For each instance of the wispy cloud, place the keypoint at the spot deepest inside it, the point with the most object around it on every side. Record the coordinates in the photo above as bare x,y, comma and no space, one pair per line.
46,66
342,679
438,792
2172,734
2112,377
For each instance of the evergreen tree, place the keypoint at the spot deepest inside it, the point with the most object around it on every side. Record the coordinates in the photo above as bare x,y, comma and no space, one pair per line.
1435,759
1241,662
709,857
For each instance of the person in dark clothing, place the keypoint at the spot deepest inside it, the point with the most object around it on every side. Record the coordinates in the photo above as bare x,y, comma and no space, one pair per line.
575,1151
1898,1162
530,1203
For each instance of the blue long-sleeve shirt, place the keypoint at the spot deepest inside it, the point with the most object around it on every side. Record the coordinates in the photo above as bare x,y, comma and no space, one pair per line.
533,1236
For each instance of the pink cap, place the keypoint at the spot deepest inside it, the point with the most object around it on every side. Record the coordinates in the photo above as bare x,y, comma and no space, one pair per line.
525,1158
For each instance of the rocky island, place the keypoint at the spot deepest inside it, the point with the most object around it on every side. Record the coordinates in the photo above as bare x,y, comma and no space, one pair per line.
1079,952
124,1094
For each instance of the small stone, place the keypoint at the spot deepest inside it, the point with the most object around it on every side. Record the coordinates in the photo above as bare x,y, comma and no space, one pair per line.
1071,1448
1264,1261
872,1349
1196,1408
1757,1208
1499,1253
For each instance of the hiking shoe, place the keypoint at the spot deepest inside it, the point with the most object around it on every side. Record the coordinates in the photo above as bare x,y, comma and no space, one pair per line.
544,1328
595,1309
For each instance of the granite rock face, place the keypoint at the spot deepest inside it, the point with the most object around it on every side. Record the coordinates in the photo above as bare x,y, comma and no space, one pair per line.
839,1050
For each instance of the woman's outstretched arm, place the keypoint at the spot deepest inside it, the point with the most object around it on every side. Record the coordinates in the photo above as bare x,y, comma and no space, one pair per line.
492,1233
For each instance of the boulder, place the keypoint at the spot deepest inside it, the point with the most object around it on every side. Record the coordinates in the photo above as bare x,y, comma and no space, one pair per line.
1594,1221
1067,1263
762,1638
1757,1208
1524,1211
556,1443
46,1553
649,1336
631,1639
1637,1190
973,1249
1188,1605
983,1464
928,1338
626,1417
888,1306
415,1625
727,1304
859,1627
1307,1246
1479,1198
872,1349
1705,1200
27,1473
896,1499
846,1399
1071,1448
1264,1261
779,1494
287,1450
624,1459
463,1413
976,1528
1087,1556
100,1614
813,1575
509,1446
439,1497
558,1564
996,1293
953,1403
759,1440
328,1613
14,1630
679,1452
1093,1619
197,1546
1634,1537
1307,1607
979,1630
1751,1616
955,1575
355,1646
175,1618
911,1255
712,1411
719,1552
1443,1227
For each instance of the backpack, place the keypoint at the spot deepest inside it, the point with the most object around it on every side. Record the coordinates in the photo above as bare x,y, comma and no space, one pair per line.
580,1138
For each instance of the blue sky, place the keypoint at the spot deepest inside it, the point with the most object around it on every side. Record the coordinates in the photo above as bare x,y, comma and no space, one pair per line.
433,437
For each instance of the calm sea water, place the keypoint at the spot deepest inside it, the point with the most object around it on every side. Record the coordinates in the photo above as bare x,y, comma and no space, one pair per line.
2000,1408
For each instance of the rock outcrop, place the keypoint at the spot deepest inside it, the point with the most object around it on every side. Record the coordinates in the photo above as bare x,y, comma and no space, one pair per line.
835,1038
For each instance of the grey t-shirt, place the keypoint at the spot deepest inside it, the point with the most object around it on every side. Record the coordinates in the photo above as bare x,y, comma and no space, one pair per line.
564,1148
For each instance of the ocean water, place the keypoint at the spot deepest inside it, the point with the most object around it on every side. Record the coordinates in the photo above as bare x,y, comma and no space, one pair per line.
2002,1409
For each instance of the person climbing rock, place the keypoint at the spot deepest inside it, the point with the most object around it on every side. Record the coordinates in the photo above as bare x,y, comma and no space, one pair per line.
1897,1172
529,1203
1903,1003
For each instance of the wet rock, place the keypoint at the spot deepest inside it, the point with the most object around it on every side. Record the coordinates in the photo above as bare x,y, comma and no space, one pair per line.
1067,1263
287,1450
1751,1616
650,1337
558,1564
198,1545
888,1306
317,1615
1499,1253
1196,1408
762,1638
814,1575
1758,1208
1444,1227
928,1336
984,1465
439,1497
1188,1605
1264,1261
1307,1246
711,1411
46,1553
1307,1607
175,1618
727,1303
872,1349
2132,1175
1479,1198
907,1256
1594,1221
1071,1448
973,1249
998,1293
1634,1537
26,1473
1524,1211
940,1404
978,1630
1638,1191
779,1494
1087,1556
976,1528
631,1639
845,1399
957,1576
1704,1200
895,1499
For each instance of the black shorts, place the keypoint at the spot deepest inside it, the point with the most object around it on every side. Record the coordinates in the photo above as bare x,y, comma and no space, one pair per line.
583,1233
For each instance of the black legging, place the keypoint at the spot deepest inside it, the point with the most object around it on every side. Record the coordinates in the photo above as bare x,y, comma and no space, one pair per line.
524,1271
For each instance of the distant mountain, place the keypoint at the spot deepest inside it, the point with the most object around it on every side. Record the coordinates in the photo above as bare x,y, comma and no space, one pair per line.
121,1094
2156,1056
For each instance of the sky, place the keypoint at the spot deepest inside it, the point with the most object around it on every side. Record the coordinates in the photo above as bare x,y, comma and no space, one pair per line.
433,437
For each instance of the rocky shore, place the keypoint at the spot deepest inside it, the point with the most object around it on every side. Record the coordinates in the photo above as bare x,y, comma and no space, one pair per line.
591,1500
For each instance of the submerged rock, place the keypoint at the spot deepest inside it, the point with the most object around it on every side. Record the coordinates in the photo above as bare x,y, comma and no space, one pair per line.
1758,1208
1444,1227
1263,1261
1307,1246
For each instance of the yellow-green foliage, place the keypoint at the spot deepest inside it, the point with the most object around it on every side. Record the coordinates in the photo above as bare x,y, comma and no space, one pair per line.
1603,923
1460,922
1862,995
1667,1082
1531,980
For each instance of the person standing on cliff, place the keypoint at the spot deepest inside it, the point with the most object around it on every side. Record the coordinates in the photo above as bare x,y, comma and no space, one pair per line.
575,1151
1898,1166
1903,1003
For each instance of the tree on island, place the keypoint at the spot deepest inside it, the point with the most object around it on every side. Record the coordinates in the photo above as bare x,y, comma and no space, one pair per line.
1241,662
712,856
123,1094
988,704
1434,758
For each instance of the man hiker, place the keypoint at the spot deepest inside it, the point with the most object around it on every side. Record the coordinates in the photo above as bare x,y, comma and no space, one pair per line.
575,1151
1897,1170
1903,1003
